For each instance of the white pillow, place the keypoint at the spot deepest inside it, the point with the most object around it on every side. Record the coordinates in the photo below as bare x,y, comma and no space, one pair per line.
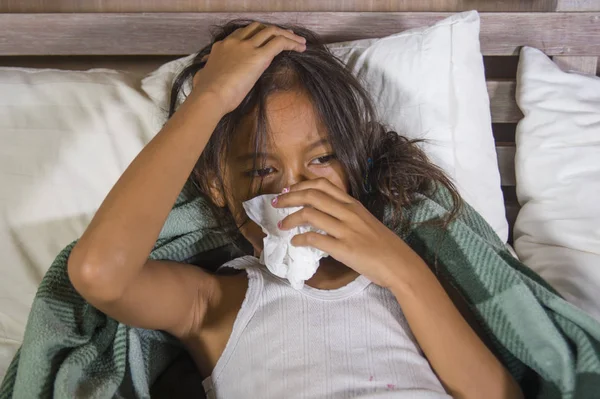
65,138
427,83
557,232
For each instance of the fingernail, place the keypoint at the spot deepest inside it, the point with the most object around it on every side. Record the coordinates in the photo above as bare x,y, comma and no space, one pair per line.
285,190
274,201
279,224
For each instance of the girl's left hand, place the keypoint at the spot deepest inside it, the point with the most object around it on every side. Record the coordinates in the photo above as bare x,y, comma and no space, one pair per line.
354,236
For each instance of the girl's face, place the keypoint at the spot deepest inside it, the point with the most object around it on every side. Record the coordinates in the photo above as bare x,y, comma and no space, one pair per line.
297,149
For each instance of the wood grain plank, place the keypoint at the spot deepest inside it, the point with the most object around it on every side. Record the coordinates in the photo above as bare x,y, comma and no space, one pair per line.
503,105
578,5
585,65
182,33
47,6
506,164
553,33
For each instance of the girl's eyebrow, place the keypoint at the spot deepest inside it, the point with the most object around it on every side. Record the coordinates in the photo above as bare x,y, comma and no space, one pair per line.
251,155
316,144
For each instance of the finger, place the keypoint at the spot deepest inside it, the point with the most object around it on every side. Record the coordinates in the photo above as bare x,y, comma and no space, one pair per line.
315,198
325,243
314,218
324,185
266,34
247,31
282,43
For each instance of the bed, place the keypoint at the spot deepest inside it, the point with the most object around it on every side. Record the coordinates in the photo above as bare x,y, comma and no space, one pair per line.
140,42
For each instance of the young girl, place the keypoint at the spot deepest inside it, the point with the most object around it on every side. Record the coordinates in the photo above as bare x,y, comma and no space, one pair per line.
272,111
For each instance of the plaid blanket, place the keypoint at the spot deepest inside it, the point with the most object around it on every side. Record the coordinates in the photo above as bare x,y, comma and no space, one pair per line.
552,348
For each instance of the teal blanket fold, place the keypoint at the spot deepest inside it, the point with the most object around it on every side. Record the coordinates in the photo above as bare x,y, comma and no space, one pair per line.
71,350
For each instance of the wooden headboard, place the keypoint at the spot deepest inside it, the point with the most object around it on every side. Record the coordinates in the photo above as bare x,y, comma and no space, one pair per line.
139,42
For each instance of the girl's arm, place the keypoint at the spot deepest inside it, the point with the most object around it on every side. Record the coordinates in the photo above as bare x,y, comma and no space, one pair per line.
461,360
356,238
108,266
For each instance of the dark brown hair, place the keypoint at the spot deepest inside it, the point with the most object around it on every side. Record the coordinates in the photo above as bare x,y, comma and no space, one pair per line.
385,170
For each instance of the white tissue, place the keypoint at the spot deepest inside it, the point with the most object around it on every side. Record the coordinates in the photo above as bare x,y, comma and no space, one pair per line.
297,264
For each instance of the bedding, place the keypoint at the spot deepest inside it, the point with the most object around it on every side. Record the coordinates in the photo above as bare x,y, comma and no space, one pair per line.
427,83
65,138
557,231
72,350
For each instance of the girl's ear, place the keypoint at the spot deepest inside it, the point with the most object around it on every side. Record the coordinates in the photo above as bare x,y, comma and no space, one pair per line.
217,196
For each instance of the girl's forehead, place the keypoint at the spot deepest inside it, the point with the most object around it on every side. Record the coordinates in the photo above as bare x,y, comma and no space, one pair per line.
291,124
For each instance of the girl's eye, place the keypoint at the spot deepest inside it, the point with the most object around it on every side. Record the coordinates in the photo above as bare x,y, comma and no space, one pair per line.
323,160
260,172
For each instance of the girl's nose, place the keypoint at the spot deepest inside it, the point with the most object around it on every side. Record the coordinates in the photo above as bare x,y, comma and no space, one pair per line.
296,176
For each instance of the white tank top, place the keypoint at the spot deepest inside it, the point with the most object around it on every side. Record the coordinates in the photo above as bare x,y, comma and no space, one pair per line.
349,342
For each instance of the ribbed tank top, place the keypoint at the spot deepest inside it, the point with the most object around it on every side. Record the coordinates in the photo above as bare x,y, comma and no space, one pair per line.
349,342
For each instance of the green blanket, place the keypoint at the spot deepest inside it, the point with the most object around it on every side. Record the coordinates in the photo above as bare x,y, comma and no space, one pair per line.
552,348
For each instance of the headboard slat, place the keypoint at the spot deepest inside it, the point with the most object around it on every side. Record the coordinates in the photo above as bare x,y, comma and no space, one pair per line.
180,33
503,106
506,164
578,5
585,65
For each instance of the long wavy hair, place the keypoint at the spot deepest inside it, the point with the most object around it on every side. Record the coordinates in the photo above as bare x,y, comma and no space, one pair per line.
385,170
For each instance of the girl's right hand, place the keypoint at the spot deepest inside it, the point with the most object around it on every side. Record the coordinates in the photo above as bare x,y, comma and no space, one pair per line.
235,63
